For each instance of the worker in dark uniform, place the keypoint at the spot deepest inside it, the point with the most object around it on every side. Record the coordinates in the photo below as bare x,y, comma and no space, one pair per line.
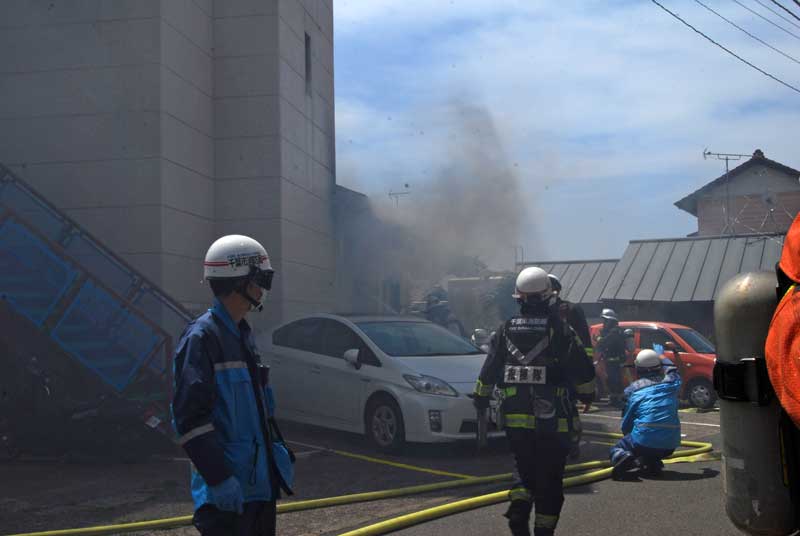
437,310
573,315
536,359
222,407
611,343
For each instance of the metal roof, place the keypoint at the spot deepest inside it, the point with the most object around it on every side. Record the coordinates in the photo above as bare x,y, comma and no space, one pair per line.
688,269
581,281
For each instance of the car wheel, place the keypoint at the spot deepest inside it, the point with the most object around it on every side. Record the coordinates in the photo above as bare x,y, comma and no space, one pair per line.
384,424
701,394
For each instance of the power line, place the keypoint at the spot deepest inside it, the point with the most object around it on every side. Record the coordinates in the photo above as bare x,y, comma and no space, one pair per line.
786,9
790,21
762,71
757,14
782,53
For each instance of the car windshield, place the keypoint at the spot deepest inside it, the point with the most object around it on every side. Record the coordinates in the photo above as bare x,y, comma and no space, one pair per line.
698,342
405,339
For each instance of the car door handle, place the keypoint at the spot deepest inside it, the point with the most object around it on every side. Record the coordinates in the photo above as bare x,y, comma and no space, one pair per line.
365,380
316,369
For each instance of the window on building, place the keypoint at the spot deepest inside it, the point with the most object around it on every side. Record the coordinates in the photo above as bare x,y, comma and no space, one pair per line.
308,64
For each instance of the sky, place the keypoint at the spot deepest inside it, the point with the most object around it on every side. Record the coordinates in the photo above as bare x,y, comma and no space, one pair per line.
603,108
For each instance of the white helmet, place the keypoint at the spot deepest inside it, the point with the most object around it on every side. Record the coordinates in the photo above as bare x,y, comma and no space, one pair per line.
609,314
533,280
648,360
235,256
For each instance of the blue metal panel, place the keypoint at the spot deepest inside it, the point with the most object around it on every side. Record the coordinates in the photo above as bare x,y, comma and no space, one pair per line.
105,337
41,217
32,278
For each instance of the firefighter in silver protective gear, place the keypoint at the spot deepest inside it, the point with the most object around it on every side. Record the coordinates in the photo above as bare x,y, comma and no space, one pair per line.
536,359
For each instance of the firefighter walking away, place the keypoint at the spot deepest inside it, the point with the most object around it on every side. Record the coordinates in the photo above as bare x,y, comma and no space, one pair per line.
536,359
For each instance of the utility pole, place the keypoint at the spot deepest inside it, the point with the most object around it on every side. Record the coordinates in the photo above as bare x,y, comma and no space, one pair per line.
519,256
396,195
727,157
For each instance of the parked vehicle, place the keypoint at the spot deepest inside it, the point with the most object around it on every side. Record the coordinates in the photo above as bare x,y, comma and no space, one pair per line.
391,378
693,354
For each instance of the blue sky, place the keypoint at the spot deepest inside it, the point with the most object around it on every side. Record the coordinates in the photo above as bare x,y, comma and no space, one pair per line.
603,108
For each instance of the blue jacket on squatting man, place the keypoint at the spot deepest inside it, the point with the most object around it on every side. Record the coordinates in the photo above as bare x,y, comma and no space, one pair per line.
651,412
223,409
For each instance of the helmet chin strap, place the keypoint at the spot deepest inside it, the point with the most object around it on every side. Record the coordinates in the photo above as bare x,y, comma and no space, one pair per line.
255,305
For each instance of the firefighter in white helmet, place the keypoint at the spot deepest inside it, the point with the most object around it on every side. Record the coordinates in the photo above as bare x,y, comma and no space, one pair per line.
223,405
650,423
536,359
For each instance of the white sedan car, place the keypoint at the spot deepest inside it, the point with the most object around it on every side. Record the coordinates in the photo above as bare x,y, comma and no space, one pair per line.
391,378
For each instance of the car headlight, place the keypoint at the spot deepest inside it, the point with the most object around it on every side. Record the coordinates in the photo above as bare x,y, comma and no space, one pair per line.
430,385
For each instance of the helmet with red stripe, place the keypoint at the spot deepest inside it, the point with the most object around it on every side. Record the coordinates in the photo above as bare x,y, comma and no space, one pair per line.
238,256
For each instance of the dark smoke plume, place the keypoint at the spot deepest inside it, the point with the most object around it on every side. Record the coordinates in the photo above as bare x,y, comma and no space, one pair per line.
472,210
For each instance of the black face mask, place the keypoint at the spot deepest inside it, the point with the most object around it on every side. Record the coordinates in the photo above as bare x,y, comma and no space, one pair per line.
534,306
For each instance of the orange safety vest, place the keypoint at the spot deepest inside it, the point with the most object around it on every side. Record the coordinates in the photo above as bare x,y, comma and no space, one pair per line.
782,349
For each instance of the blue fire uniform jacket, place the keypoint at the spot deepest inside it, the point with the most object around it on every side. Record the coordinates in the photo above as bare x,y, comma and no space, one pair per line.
651,412
221,410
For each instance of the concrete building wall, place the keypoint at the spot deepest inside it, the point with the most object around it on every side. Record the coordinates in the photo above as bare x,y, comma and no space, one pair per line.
247,129
761,199
80,114
307,171
163,124
187,147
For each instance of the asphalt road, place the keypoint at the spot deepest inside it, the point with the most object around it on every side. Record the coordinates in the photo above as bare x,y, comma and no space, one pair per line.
41,495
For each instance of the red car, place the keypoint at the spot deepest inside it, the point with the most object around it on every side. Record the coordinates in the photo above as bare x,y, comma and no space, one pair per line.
690,351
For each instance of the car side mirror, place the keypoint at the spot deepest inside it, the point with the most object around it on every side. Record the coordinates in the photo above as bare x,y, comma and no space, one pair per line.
351,356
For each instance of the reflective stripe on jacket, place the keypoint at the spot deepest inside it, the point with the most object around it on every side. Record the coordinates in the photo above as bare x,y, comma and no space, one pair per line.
219,411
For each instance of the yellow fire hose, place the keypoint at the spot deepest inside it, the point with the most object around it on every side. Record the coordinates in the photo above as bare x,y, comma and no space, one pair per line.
697,448
429,514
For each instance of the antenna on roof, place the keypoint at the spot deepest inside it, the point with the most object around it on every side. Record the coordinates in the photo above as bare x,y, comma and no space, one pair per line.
727,157
397,194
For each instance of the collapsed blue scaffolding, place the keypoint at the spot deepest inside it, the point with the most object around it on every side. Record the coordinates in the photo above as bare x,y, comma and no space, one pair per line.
98,310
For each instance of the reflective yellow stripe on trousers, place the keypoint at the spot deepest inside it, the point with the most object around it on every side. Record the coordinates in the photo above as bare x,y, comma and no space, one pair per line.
521,420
